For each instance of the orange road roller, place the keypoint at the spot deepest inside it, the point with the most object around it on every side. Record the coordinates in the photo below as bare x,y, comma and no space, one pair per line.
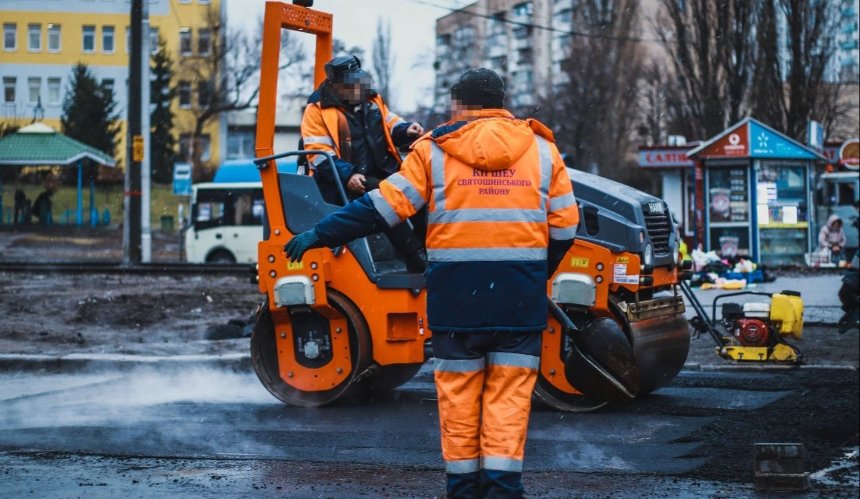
350,322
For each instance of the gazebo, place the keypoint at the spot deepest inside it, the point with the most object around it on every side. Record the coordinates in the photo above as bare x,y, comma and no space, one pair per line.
40,145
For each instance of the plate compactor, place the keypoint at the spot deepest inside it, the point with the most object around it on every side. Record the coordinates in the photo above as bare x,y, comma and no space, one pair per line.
752,331
351,322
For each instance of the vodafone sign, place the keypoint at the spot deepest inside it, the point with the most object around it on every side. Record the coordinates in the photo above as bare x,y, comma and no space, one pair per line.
849,154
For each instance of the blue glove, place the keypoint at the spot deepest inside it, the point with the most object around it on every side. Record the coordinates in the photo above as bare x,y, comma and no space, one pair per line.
300,243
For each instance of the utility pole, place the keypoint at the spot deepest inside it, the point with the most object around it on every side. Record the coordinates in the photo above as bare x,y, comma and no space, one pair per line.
135,148
146,177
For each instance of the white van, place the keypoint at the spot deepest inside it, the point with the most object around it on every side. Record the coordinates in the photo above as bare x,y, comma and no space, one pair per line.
226,222
227,214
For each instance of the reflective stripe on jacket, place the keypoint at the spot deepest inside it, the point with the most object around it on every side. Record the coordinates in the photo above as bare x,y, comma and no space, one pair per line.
319,130
497,191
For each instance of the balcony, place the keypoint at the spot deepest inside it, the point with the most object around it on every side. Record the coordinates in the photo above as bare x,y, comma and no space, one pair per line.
496,48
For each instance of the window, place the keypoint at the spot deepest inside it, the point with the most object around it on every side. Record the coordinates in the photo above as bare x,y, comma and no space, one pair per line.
185,41
34,84
497,24
10,34
464,36
521,32
240,144
204,144
8,89
53,38
203,2
127,38
107,85
34,37
524,9
185,146
184,1
107,39
153,40
89,39
53,91
184,92
524,56
204,40
204,93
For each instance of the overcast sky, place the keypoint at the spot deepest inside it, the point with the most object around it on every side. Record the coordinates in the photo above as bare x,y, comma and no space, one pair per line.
412,34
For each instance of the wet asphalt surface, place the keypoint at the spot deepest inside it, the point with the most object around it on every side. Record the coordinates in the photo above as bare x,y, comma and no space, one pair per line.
198,431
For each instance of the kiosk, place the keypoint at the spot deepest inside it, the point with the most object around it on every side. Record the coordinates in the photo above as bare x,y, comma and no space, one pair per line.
754,194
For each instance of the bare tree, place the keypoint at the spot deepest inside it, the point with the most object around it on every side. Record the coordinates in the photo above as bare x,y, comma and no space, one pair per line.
711,46
594,111
768,99
383,59
224,69
810,26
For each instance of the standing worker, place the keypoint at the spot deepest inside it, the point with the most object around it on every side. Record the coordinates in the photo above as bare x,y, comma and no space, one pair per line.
347,118
501,216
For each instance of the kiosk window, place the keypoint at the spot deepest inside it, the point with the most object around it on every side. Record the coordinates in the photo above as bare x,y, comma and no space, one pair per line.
728,195
781,194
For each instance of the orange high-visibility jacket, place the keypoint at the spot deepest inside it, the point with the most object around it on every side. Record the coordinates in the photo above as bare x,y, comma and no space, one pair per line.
497,192
320,130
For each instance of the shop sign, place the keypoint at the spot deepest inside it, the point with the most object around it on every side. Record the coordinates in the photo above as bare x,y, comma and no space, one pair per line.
765,143
733,144
849,154
664,158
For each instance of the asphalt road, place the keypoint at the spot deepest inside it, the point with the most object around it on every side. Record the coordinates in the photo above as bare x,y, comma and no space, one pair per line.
197,431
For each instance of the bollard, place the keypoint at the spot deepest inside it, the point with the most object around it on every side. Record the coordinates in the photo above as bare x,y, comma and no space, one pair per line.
779,467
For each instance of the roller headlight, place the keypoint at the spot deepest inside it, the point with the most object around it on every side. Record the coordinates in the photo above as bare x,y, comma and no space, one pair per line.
648,255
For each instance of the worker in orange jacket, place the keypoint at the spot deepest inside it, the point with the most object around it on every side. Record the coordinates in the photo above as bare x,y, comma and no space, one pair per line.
348,119
501,216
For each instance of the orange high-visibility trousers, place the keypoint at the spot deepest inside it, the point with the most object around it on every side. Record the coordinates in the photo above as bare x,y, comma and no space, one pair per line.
484,405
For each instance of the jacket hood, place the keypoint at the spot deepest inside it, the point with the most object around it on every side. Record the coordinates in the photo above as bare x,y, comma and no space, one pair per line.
831,219
493,141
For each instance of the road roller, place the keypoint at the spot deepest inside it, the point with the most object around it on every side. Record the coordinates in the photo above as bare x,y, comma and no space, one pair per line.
349,323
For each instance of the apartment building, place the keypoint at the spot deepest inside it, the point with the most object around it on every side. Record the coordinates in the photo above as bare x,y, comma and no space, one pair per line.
501,35
43,40
847,59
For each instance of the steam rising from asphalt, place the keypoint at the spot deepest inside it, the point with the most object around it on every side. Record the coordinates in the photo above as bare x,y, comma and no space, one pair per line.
63,400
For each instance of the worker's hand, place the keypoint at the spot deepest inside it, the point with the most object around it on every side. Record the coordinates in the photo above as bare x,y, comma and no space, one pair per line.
300,243
356,183
415,130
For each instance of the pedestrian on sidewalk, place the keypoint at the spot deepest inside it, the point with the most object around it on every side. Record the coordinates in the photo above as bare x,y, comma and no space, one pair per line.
501,216
832,237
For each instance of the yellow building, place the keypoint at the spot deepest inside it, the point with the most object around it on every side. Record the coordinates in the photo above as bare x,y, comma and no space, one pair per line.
43,40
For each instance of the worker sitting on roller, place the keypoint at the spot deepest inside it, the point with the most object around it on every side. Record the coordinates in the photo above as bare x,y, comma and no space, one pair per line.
347,118
501,215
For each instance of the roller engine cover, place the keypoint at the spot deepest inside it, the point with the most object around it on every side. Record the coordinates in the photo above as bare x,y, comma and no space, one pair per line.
752,332
602,341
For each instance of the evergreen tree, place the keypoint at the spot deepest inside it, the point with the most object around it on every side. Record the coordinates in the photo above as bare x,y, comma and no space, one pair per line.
89,113
162,147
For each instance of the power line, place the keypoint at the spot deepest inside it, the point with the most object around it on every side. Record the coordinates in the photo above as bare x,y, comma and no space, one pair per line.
464,10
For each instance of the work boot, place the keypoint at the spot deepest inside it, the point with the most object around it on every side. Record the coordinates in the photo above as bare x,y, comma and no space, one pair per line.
416,263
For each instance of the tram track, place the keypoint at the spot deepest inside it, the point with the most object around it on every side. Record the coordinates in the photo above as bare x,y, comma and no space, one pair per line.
115,267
